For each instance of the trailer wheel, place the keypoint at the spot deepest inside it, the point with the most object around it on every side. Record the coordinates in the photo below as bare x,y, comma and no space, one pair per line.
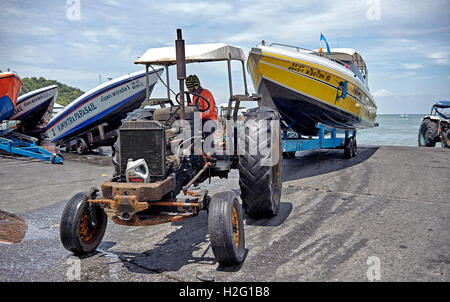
288,154
350,147
259,173
79,233
428,134
445,140
82,146
226,228
355,147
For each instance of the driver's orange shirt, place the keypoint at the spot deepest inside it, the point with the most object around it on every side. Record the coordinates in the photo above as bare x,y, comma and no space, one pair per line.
211,113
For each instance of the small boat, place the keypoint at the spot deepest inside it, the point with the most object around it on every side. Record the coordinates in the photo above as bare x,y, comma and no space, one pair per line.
310,87
10,85
35,107
103,106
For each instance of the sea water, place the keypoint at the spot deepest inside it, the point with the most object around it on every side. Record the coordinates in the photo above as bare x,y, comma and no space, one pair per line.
393,130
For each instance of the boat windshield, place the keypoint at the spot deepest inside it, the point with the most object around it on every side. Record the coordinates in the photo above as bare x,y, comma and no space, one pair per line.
354,69
346,57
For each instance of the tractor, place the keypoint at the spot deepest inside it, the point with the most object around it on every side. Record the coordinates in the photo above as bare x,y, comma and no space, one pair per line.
435,127
159,159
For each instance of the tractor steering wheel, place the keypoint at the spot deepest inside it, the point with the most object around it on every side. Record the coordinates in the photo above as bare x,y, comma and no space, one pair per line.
196,102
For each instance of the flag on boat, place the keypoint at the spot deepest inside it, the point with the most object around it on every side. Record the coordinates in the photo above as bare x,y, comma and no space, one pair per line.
322,38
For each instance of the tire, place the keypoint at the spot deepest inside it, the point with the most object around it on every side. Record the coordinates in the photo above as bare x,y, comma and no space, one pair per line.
349,147
445,139
428,134
288,154
355,147
226,228
260,175
76,234
82,147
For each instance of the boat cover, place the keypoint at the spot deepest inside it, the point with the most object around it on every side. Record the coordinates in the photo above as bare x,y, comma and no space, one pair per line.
193,53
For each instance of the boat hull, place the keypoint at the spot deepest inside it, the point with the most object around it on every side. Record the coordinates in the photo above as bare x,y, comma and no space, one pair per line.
10,85
307,93
108,103
35,107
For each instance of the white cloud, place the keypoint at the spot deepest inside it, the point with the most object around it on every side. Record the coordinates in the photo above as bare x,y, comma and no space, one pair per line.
109,33
30,54
412,66
382,93
188,9
439,57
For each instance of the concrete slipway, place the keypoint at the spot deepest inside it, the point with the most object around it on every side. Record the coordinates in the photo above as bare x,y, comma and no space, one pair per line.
388,207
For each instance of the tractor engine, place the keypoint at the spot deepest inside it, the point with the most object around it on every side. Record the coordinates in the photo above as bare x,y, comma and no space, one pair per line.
167,149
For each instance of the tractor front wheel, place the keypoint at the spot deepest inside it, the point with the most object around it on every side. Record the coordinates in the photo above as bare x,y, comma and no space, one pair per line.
226,228
82,225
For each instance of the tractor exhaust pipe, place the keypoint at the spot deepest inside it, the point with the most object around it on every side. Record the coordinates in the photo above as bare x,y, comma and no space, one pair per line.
181,68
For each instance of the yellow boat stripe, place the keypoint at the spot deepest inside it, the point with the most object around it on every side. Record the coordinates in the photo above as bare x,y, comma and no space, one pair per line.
313,88
272,56
321,67
309,96
312,78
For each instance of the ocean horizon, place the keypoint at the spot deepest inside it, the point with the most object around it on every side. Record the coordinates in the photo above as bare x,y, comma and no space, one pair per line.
393,130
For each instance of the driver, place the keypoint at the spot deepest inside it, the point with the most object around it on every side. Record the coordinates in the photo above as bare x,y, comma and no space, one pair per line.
209,116
193,85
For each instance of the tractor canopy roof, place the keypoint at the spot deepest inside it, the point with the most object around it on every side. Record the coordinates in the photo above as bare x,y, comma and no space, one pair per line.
194,53
442,104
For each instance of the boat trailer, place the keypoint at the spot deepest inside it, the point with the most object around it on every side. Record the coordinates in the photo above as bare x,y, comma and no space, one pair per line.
291,142
17,143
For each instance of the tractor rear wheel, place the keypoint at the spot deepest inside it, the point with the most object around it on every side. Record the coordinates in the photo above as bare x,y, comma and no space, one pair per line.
260,162
428,134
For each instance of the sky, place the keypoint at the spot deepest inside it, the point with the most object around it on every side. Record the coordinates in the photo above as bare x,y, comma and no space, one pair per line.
406,44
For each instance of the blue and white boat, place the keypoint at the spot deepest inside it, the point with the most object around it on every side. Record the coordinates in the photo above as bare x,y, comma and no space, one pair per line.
105,105
34,108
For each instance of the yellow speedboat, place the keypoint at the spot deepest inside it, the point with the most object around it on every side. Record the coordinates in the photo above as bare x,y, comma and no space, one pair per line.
309,87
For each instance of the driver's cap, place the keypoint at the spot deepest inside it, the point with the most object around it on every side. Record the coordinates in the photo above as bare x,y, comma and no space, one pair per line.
192,82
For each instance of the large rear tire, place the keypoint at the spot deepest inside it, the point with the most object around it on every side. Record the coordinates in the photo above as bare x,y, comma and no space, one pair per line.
226,228
260,162
79,234
428,134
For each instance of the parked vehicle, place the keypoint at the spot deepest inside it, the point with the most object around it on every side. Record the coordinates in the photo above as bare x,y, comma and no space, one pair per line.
150,173
435,127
